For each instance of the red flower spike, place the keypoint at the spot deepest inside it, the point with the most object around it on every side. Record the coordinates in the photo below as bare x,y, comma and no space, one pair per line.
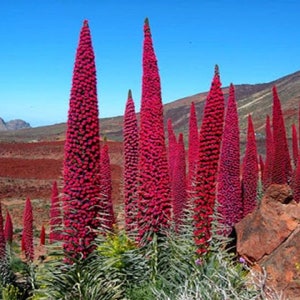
106,213
27,236
299,121
172,144
8,229
295,145
250,172
268,169
179,182
154,182
43,236
204,185
55,215
296,185
193,144
282,169
2,238
229,194
81,172
130,166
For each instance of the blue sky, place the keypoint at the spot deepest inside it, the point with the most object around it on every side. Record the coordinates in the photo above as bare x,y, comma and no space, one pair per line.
251,41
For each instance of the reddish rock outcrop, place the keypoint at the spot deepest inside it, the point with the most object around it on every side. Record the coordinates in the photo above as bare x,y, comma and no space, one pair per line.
270,238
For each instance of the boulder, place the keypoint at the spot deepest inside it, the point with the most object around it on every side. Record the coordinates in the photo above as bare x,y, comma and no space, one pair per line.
270,237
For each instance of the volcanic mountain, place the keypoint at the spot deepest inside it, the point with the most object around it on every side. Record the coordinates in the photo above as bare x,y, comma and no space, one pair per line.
254,99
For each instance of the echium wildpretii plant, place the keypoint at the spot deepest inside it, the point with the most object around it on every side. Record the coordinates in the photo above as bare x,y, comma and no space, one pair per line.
296,182
7,277
179,183
295,145
81,173
229,194
282,169
55,215
8,229
107,212
204,185
27,234
172,145
2,236
269,144
154,182
250,172
131,155
193,142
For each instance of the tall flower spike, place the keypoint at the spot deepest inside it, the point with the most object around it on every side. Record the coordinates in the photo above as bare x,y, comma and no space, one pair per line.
8,229
250,172
296,183
172,153
299,121
27,236
81,172
172,143
295,145
268,170
55,215
107,211
193,144
204,186
179,183
282,169
2,238
130,166
154,181
229,194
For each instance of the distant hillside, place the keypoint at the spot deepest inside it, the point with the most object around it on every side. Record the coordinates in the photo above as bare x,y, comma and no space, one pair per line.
13,125
254,99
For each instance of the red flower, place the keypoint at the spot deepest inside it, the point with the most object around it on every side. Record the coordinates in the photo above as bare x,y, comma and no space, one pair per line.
81,164
172,146
154,182
179,182
2,238
282,169
193,144
296,185
27,236
8,230
229,192
295,144
268,169
250,172
130,166
106,211
204,186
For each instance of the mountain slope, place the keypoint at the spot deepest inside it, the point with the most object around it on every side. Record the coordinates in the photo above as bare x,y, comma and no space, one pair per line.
254,99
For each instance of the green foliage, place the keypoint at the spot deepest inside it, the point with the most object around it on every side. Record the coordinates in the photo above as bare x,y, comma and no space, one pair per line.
115,246
164,267
11,292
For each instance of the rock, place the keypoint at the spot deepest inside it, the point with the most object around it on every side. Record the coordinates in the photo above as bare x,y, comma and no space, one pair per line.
2,125
13,125
17,124
270,237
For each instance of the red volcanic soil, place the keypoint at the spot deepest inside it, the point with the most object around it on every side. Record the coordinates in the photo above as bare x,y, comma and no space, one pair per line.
29,169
